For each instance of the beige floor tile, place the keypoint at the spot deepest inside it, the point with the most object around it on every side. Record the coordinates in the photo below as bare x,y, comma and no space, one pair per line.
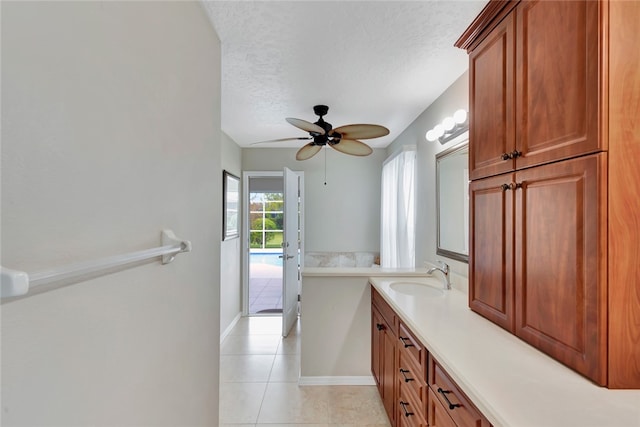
240,402
356,405
286,368
289,345
250,344
258,325
236,425
289,403
248,368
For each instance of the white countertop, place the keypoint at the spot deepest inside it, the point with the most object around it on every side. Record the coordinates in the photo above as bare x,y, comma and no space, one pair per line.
511,383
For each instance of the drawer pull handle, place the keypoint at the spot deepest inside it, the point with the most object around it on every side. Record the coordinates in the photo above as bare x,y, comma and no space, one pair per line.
403,339
404,409
380,326
403,372
444,393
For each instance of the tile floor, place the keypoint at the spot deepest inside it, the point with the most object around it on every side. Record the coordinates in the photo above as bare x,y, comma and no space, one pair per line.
258,384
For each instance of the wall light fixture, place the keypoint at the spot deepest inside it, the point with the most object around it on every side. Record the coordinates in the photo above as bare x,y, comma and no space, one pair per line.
450,128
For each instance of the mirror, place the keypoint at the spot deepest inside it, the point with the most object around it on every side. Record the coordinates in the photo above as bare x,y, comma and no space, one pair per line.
452,202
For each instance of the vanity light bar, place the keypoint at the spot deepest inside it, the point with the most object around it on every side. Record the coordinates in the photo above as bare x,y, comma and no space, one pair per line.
450,128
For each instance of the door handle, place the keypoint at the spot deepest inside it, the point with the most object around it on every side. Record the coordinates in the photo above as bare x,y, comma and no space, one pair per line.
288,256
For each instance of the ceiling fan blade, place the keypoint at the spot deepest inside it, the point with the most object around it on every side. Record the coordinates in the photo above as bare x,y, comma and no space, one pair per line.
308,151
305,125
302,138
362,131
353,147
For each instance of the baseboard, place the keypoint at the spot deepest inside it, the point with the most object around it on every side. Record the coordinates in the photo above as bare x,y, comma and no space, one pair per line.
342,380
227,331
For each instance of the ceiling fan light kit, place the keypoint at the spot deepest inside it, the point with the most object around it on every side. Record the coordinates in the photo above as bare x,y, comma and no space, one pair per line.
344,139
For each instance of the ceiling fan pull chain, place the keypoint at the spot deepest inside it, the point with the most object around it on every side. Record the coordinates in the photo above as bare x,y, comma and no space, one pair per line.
325,165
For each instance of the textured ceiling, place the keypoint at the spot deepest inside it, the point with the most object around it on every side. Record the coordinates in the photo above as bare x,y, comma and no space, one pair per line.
380,62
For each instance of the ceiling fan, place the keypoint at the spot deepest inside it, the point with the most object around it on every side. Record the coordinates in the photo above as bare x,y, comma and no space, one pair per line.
344,138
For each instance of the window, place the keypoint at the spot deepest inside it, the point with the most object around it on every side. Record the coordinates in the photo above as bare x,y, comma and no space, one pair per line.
266,220
398,210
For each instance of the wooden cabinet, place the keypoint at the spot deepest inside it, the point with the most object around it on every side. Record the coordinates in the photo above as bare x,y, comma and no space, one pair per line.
492,102
491,264
449,403
409,379
554,221
383,352
535,268
534,88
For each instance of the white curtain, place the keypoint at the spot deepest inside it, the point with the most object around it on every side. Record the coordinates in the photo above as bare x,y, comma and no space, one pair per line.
398,210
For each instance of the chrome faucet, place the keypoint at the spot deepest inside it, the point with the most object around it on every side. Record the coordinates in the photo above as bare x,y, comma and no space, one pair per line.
444,269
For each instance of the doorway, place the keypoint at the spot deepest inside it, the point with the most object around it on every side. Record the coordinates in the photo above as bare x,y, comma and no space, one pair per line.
265,221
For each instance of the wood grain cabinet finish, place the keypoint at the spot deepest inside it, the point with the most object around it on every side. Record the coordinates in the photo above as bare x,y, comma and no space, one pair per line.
560,276
411,383
534,88
452,400
383,353
556,260
491,264
492,102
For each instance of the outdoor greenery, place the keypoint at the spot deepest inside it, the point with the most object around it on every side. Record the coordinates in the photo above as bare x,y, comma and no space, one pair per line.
267,220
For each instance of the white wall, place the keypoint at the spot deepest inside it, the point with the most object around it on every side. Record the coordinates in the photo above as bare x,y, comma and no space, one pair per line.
110,133
230,250
454,98
343,215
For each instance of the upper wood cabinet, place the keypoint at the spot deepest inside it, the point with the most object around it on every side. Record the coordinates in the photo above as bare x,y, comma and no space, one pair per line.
492,101
534,87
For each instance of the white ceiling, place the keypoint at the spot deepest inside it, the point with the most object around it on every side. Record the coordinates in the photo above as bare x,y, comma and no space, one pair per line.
379,62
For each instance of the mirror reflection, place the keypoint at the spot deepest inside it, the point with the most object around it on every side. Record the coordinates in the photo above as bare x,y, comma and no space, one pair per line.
452,202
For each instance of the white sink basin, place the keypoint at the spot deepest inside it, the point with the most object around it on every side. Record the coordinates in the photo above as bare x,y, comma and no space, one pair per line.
416,289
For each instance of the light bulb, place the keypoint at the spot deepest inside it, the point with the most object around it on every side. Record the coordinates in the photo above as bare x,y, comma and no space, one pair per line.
431,136
438,130
460,116
448,124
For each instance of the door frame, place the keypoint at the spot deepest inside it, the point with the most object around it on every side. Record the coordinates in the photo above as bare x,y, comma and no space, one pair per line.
246,176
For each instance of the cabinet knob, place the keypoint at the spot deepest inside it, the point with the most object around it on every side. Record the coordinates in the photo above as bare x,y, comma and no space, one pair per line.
380,326
505,156
505,187
515,154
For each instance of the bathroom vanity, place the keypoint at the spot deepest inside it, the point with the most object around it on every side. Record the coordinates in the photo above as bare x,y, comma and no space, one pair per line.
431,353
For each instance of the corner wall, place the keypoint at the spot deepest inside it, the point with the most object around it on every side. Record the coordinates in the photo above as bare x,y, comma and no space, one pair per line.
110,133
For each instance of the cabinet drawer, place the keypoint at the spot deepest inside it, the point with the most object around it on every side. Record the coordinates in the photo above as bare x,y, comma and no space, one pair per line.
454,401
412,348
438,416
410,410
385,310
410,376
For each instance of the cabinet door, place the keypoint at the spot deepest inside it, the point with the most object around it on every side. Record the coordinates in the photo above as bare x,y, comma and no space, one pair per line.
561,262
389,374
377,325
491,257
557,80
491,102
